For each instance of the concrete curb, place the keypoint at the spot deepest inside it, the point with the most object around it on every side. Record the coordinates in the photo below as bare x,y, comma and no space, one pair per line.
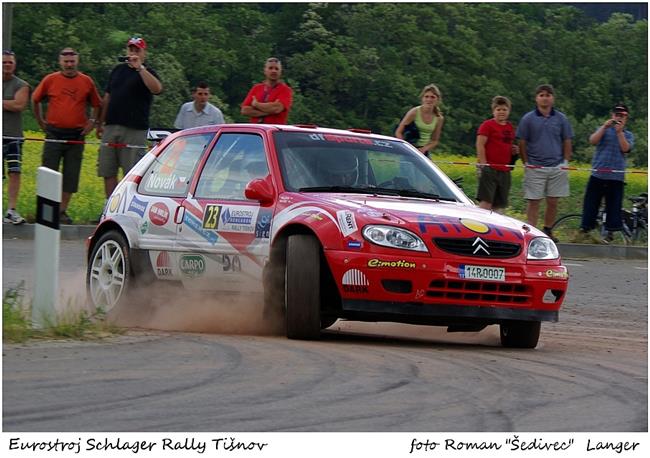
567,250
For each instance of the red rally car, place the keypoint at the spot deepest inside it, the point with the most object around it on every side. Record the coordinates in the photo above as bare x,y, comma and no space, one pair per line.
324,224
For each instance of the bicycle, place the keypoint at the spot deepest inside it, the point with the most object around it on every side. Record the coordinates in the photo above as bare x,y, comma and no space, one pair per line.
635,225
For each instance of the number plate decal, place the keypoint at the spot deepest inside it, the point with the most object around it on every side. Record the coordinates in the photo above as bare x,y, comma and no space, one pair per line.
482,273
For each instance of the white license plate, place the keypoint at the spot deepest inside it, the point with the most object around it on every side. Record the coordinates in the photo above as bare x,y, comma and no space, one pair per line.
482,273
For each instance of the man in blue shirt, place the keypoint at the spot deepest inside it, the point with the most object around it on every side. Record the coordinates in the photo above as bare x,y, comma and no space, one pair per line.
613,142
200,112
545,136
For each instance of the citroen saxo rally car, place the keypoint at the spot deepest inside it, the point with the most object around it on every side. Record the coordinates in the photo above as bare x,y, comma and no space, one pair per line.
324,224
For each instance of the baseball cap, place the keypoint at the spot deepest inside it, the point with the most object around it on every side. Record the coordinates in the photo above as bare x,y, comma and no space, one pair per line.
545,87
137,42
620,108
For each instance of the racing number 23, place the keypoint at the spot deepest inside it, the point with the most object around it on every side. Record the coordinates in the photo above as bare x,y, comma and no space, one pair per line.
211,216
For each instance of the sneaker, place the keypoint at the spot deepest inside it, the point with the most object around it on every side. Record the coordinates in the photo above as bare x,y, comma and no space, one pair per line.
609,238
64,218
549,233
13,217
583,236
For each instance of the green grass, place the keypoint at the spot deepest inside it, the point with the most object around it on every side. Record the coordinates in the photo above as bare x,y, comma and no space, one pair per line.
72,323
88,202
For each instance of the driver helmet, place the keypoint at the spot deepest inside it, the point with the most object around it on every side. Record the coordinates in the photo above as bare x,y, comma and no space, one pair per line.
340,168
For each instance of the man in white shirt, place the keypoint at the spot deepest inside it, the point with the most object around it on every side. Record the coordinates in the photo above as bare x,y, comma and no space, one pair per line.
200,112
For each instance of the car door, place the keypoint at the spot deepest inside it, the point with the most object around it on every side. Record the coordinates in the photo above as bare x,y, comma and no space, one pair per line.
223,240
160,194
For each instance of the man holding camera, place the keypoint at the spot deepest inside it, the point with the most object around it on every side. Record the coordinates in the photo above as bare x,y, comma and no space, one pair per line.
613,142
125,113
68,93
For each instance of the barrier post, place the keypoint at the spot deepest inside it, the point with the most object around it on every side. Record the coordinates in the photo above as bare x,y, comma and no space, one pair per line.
47,238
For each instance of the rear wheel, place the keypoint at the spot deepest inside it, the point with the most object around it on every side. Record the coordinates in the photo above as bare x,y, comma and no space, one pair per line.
302,287
109,277
520,334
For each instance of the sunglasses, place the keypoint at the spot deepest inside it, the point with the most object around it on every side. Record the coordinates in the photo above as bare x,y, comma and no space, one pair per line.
69,53
6,52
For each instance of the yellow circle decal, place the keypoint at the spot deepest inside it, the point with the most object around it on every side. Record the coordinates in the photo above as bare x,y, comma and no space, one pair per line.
114,202
475,226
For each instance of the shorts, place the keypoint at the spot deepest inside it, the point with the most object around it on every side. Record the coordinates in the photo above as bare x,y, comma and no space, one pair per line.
12,154
72,155
494,187
541,183
111,158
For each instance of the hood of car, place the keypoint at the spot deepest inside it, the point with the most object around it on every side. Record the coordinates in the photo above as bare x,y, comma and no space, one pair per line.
428,218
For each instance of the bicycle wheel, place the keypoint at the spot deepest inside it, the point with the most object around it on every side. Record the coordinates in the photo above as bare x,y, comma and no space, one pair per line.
567,228
640,235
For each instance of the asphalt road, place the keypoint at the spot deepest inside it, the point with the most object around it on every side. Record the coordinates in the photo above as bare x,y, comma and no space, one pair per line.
589,372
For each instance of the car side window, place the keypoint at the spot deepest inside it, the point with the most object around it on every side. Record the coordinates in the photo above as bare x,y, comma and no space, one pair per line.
170,174
235,160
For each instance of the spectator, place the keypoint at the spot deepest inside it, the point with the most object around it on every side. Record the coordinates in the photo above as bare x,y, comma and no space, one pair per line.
68,93
200,112
428,119
494,149
545,136
15,97
613,142
125,113
269,102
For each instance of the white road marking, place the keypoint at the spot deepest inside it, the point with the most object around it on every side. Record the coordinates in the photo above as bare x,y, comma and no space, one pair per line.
572,265
641,268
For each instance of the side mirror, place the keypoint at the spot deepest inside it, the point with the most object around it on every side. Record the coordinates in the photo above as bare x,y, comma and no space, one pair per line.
260,189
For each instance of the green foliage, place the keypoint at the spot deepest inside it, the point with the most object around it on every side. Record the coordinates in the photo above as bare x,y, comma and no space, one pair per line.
73,322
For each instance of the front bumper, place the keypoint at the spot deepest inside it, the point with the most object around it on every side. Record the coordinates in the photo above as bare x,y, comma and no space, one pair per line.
429,289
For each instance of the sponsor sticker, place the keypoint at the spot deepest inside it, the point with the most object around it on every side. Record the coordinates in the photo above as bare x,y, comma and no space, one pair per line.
238,219
355,281
474,226
163,264
144,227
193,223
550,273
354,245
165,182
159,214
115,201
229,262
138,206
347,222
400,264
263,224
211,216
192,265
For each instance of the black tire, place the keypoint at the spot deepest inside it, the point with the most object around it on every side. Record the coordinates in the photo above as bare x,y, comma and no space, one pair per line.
109,277
520,334
302,287
567,228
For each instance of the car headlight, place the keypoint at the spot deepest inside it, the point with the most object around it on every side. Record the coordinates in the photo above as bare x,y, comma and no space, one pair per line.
542,248
393,237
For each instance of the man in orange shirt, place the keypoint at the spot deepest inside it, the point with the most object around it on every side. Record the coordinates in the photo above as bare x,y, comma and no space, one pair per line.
68,93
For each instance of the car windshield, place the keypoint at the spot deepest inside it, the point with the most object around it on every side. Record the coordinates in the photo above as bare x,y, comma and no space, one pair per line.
319,162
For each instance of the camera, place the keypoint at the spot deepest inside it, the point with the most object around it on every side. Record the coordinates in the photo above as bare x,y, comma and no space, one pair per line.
616,122
123,59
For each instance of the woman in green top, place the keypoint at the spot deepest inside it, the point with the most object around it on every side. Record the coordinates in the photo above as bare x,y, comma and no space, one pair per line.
427,118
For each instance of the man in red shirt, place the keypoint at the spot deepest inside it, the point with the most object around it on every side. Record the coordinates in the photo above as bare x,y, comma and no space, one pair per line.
68,93
269,102
494,151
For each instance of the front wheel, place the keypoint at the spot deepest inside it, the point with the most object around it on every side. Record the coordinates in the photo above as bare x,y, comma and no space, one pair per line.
520,334
109,277
302,287
567,228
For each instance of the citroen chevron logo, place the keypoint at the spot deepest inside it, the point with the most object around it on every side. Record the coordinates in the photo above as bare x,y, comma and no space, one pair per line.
480,245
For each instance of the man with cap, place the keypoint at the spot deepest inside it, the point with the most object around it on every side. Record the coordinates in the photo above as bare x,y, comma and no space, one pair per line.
613,142
68,93
545,142
269,102
125,113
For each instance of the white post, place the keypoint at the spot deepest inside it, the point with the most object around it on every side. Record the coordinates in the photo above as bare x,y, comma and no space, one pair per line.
46,243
